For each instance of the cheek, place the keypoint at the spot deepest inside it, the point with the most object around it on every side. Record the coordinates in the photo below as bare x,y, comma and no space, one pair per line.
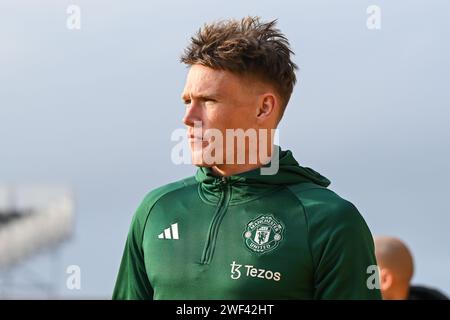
242,119
230,118
218,118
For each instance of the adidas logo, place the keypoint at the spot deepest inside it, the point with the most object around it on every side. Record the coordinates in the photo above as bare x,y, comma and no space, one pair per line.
170,233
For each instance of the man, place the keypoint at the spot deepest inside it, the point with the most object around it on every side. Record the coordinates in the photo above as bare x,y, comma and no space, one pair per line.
233,231
396,271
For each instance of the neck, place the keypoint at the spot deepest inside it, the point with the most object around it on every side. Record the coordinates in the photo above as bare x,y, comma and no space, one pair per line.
229,170
226,170
400,292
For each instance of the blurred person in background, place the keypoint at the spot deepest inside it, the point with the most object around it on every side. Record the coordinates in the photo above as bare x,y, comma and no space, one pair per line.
396,266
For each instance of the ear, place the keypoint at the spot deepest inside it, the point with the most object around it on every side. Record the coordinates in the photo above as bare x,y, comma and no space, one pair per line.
386,279
266,107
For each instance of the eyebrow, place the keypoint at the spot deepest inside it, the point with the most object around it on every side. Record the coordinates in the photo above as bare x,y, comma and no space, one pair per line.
202,96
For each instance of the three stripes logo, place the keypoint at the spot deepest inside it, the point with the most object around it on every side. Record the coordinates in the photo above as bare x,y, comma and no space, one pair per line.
170,233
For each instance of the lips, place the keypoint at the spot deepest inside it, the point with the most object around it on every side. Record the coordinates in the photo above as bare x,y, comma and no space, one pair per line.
192,136
195,137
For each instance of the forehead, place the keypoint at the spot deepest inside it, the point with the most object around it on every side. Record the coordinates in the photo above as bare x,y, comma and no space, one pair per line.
205,80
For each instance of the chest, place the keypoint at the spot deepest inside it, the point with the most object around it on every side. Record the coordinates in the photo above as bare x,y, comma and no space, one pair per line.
253,250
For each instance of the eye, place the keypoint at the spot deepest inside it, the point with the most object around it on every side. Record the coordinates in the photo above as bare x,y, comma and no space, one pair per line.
186,102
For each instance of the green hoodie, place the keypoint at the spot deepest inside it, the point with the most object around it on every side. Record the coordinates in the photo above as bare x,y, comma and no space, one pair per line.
248,236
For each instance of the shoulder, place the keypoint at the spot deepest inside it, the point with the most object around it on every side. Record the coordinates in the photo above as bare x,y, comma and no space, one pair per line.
153,196
325,208
156,194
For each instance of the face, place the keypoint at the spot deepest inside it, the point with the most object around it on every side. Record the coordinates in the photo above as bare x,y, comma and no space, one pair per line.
222,100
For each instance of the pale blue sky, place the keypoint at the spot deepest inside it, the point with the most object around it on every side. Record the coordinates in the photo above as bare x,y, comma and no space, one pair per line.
94,109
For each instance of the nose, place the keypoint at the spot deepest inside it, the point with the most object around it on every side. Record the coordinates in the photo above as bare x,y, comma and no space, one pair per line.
193,113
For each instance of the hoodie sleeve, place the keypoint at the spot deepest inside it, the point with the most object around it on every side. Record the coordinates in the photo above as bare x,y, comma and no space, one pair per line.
132,282
342,250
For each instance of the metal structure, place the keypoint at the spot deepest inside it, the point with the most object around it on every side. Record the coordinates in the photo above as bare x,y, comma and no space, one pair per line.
33,222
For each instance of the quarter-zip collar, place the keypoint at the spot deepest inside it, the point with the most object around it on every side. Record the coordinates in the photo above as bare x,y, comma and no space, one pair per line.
252,184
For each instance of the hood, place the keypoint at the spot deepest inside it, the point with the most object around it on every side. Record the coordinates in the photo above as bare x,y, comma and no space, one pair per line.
290,172
251,183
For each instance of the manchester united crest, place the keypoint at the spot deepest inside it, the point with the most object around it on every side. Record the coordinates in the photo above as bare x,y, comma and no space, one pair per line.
263,234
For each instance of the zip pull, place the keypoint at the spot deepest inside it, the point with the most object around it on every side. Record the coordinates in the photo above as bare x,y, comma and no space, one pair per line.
223,182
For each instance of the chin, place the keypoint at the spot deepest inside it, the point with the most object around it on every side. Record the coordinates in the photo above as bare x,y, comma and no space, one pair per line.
203,165
197,159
